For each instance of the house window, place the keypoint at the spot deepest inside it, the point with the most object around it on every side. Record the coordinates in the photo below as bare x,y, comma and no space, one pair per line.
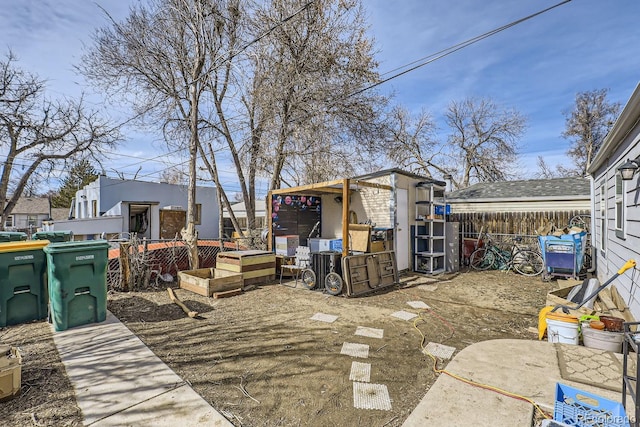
198,214
603,216
32,220
619,206
9,222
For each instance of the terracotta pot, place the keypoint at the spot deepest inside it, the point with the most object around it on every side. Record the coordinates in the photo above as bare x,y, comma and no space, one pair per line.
611,323
596,324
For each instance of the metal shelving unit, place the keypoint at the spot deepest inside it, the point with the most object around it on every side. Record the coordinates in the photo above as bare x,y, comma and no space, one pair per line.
429,231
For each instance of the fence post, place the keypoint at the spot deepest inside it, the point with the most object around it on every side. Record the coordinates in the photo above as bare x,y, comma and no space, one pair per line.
125,266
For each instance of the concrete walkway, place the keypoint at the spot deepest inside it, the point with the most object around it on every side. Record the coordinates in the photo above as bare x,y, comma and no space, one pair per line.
118,381
523,367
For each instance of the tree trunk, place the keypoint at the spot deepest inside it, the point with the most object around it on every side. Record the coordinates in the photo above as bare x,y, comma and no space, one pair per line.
190,234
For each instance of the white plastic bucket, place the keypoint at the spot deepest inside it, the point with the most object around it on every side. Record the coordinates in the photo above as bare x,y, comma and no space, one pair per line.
562,332
603,340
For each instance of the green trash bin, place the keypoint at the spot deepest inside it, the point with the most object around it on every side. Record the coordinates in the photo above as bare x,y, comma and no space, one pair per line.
77,276
12,236
53,236
23,282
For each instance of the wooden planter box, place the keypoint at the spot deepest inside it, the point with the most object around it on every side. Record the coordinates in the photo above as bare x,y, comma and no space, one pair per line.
255,266
207,281
10,372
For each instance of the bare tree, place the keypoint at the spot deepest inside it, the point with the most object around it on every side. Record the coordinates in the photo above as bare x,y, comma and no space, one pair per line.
265,87
412,142
545,171
300,114
39,135
174,175
161,59
483,141
587,124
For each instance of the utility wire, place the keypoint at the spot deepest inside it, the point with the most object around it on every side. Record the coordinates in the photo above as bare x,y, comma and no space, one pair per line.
448,51
420,63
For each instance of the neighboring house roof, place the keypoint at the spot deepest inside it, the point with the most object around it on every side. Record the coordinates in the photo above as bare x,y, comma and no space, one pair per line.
59,214
240,210
31,206
534,189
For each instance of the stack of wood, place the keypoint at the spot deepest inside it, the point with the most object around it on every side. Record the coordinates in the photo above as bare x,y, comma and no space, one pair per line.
610,301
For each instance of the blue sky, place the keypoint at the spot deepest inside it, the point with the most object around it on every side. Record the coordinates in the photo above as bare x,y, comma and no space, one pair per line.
536,67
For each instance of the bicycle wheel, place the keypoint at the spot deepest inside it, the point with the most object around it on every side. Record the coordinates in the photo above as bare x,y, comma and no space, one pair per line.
528,263
308,278
581,221
333,283
482,259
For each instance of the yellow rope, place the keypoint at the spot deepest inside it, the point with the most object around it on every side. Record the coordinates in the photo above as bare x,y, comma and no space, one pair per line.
470,382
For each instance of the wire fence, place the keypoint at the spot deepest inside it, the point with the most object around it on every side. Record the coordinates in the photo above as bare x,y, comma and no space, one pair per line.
156,263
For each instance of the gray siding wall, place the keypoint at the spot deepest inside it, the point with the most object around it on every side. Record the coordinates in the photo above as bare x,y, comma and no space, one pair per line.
618,249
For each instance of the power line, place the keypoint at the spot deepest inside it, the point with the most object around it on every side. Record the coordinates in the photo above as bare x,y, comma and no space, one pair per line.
448,51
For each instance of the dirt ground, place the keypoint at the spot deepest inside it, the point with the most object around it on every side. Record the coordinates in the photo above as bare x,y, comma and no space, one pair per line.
260,360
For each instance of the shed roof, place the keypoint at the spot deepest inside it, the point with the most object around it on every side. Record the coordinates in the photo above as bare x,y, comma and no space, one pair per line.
540,189
401,172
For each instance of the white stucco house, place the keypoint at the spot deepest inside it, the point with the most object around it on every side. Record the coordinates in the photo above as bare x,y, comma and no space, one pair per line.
616,202
109,207
240,211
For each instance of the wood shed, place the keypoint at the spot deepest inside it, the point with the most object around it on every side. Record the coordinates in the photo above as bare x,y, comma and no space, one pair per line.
387,210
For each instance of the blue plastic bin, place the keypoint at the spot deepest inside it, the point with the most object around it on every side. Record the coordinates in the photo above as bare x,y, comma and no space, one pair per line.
583,409
563,254
560,254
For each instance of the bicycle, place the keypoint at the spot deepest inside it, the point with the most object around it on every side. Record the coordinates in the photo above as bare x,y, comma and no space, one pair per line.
524,261
582,221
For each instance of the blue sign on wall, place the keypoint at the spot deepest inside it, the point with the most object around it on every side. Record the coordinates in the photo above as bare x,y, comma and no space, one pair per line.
443,210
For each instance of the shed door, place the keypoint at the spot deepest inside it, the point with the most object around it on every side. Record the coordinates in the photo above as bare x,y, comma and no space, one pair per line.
402,229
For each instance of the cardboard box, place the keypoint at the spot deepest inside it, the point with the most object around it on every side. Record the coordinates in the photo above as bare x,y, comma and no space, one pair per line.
286,245
206,281
360,237
10,372
377,246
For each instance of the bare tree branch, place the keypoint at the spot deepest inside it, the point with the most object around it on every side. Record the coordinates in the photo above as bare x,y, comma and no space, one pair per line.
484,140
587,124
37,133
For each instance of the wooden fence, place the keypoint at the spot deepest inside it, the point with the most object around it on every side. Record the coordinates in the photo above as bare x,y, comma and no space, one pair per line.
512,223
